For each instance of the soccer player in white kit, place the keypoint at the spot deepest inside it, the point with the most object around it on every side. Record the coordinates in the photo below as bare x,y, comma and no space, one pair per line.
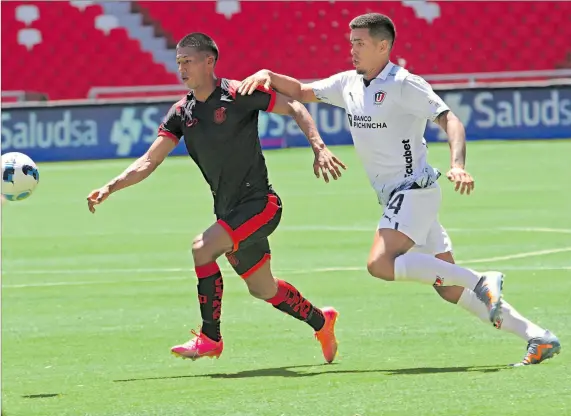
387,108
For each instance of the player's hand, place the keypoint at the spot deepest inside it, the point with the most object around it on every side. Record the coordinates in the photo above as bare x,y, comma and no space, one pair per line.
249,85
464,181
97,197
325,161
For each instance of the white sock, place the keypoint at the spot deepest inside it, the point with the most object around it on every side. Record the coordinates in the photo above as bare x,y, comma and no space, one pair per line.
428,269
511,321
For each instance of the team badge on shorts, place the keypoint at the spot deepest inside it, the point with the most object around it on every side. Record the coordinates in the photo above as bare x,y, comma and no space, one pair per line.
220,115
380,97
232,259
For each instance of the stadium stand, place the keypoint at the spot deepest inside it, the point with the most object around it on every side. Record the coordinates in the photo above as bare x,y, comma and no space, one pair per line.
304,39
56,48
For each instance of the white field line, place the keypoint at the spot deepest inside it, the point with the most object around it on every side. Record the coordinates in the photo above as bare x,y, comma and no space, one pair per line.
295,271
519,255
299,228
284,272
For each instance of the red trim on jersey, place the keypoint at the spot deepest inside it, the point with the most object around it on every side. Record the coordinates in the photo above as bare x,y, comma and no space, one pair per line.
257,266
168,135
233,87
272,97
253,224
207,270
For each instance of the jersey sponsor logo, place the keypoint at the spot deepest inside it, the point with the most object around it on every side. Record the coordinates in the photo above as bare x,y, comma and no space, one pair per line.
380,97
365,122
220,115
407,156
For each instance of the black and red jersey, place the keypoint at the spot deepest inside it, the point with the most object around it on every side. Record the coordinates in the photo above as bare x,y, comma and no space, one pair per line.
221,136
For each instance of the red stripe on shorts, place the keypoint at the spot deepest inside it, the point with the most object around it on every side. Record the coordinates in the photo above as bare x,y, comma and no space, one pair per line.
253,224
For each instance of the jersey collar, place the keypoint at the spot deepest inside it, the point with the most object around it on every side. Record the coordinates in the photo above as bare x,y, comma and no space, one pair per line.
386,71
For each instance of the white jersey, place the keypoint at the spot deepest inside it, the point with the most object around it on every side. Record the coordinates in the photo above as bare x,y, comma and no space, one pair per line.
387,120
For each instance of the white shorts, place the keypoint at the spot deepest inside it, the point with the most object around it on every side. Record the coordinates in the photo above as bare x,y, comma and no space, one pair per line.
415,213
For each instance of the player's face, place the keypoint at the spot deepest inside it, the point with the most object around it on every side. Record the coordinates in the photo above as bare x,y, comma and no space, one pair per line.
193,66
366,52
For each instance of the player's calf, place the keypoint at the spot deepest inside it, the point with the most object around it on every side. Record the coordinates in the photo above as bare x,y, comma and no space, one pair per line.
450,294
206,248
262,287
285,297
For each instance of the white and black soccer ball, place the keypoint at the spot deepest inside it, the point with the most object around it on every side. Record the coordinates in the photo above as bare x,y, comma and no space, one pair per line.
20,176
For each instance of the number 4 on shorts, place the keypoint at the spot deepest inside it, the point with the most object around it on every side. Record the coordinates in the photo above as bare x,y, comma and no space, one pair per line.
396,203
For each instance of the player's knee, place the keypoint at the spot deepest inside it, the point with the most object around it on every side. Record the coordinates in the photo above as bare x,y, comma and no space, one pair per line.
197,245
449,293
381,269
201,251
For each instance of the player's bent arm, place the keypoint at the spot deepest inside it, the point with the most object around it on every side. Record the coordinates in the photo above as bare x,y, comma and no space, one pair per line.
454,128
290,107
145,165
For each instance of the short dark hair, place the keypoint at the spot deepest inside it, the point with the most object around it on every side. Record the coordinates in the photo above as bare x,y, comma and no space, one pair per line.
200,42
379,25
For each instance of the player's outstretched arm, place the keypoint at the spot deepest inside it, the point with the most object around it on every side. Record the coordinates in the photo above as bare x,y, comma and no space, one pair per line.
282,83
325,161
454,128
139,170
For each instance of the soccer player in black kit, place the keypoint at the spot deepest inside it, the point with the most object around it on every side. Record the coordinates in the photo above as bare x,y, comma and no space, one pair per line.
220,130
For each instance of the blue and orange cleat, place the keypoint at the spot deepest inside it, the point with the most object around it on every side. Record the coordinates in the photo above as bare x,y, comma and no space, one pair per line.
540,350
198,347
326,335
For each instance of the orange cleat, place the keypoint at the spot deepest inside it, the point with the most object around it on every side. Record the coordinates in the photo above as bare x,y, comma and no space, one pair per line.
326,335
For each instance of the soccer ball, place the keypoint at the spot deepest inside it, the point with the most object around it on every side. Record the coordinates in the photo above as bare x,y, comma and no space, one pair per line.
20,176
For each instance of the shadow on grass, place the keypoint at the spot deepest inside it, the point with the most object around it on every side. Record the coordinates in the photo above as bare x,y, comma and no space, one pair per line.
317,370
41,396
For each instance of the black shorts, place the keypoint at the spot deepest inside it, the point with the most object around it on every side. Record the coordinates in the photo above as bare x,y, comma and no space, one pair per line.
249,225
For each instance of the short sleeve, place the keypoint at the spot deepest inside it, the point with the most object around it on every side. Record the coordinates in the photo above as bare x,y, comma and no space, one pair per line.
171,126
330,90
418,97
261,100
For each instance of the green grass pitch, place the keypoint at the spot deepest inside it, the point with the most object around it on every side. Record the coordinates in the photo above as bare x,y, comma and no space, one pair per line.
91,304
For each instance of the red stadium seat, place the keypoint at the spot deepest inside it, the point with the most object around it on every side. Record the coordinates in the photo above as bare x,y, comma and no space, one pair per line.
56,48
72,55
309,39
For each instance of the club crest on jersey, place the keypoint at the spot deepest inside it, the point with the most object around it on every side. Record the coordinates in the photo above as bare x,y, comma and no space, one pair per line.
380,97
220,115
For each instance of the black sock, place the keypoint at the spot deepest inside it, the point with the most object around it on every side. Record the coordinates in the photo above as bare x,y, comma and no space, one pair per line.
289,300
210,288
